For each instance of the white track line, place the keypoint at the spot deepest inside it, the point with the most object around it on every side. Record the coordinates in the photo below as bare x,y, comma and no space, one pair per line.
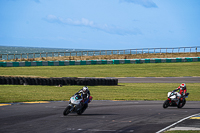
176,123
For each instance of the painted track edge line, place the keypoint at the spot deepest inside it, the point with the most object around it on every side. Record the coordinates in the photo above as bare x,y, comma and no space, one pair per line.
176,123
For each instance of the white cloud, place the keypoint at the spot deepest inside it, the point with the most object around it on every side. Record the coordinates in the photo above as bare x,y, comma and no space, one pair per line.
90,24
145,3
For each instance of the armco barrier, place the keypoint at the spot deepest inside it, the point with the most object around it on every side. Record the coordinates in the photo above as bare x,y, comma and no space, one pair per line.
94,62
57,81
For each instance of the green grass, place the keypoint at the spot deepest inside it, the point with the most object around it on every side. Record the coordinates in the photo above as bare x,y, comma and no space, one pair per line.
120,70
124,91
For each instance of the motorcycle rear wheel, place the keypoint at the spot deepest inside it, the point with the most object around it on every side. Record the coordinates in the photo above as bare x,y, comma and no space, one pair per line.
80,112
181,104
165,104
184,102
66,111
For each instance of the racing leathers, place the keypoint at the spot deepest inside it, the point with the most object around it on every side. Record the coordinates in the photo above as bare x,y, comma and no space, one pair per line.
181,91
85,95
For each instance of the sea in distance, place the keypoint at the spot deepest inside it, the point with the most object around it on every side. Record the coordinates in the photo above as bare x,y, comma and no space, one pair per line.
13,52
21,50
8,52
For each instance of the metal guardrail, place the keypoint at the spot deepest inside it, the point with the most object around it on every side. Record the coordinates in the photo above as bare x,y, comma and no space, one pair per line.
101,52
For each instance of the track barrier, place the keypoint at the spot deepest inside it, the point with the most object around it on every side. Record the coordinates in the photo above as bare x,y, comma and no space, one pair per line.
95,62
57,81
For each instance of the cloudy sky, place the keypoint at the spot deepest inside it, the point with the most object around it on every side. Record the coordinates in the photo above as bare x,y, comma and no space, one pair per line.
100,24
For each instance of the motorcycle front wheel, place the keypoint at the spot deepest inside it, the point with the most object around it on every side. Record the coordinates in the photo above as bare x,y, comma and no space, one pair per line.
165,104
66,111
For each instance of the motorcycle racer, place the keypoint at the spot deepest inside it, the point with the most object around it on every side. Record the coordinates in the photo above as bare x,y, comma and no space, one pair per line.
182,89
85,94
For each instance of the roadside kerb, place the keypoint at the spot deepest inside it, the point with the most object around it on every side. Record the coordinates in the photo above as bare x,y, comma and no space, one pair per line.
94,62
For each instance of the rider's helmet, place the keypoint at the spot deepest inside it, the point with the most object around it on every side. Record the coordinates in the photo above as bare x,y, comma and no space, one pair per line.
85,89
183,86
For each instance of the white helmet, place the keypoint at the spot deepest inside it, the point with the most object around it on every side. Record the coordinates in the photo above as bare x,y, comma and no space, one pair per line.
183,86
85,89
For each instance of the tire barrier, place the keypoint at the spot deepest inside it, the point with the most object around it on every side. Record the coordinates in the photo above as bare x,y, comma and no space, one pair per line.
57,81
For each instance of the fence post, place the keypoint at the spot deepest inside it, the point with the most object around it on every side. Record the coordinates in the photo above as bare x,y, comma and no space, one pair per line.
190,49
154,51
21,56
34,55
124,51
106,52
76,53
7,56
142,51
46,55
40,55
136,51
196,49
100,52
14,56
27,55
166,50
130,51
160,50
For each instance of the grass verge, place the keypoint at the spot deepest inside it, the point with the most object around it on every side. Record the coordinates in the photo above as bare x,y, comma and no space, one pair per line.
120,70
124,91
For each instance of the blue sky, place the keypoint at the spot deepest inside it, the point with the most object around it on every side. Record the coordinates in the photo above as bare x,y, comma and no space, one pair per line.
100,24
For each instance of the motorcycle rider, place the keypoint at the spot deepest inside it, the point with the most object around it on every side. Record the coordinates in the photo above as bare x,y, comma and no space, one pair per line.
182,89
85,94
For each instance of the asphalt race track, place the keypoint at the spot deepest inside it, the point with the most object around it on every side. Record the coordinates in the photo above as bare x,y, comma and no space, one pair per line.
101,116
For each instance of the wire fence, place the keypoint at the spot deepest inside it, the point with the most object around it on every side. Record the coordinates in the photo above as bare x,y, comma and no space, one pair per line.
195,49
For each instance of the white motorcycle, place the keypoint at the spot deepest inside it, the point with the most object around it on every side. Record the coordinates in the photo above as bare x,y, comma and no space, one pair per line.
175,100
76,105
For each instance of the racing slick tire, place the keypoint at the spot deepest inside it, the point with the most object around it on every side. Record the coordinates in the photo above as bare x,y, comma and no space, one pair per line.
66,111
165,104
184,102
181,104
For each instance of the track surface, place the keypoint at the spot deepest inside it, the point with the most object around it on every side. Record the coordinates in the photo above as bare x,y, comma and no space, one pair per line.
101,116
159,80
